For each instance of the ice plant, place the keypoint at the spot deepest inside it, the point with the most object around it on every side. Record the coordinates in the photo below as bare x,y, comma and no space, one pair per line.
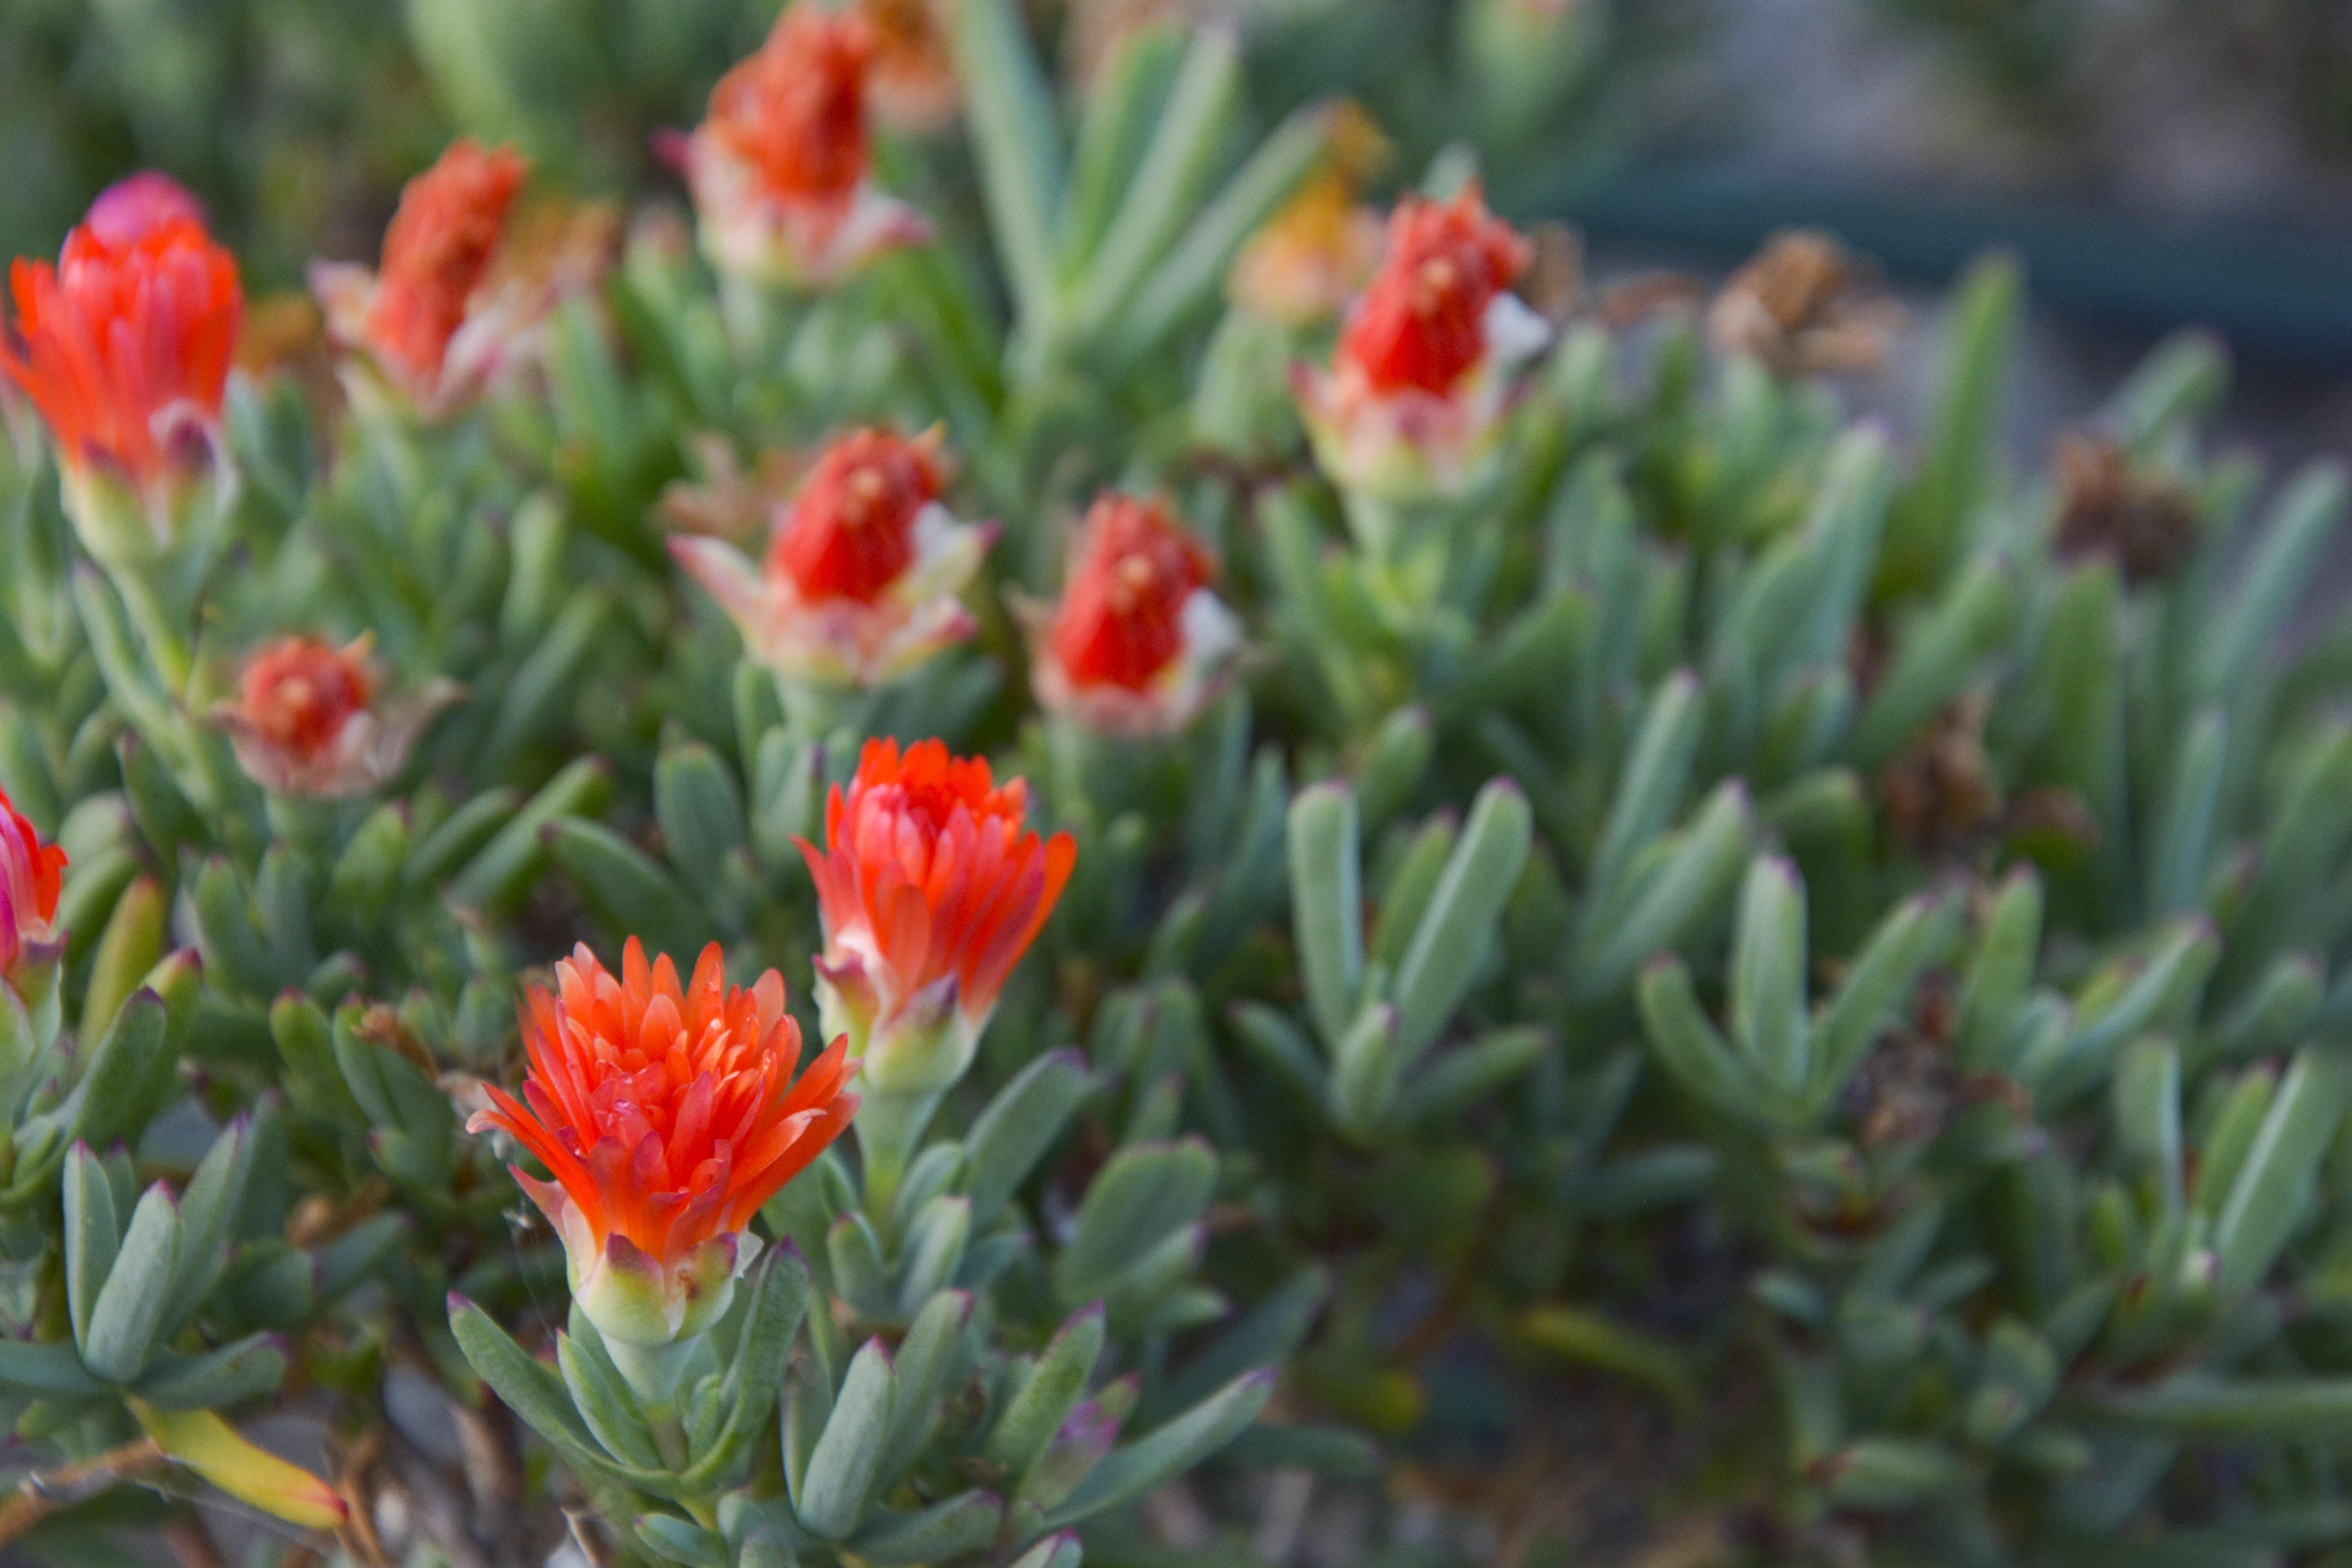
931,887
431,321
32,875
667,1116
862,573
124,346
780,168
1139,644
1410,409
308,721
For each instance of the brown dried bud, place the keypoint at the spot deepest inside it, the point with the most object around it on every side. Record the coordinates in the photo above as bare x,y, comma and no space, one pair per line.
2144,522
1805,306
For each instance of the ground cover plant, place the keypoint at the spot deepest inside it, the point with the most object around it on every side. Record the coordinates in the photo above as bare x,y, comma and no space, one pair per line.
1032,829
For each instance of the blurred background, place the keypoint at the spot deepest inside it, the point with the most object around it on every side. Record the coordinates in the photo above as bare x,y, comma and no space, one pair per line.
2151,162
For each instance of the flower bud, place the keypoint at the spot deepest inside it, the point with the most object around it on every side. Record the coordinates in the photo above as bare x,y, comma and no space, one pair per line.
32,875
308,721
448,315
1139,646
780,168
124,347
1411,409
861,576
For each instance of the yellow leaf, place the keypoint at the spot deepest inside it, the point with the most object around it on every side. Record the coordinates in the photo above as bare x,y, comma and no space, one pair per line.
212,1447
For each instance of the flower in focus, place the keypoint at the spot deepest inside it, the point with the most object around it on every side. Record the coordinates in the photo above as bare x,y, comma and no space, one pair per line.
124,346
862,573
32,874
667,1116
1139,645
307,721
437,320
780,168
930,889
912,79
1411,407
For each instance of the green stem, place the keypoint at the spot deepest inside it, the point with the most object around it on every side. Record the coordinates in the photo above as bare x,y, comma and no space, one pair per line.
815,711
889,1131
159,629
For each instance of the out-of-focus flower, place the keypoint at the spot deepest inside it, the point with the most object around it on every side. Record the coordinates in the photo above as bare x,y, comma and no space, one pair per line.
1139,645
308,721
124,346
447,315
912,79
666,1115
862,573
1411,407
1304,264
930,889
1804,307
31,876
1311,257
780,168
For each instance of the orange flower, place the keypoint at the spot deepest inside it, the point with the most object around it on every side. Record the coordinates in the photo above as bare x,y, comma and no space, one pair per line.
306,722
862,575
32,874
667,1116
930,891
1139,645
912,80
1311,256
780,166
436,320
1416,387
124,346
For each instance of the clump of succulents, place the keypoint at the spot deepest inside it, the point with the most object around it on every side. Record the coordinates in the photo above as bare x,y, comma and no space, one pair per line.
1116,855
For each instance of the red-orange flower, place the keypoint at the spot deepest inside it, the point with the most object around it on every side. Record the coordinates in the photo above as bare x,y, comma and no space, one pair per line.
1422,323
1139,644
862,575
31,876
125,345
930,889
1417,384
432,319
852,530
780,164
307,721
667,1116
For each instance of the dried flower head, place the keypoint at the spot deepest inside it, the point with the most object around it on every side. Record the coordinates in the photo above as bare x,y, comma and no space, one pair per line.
2144,522
1804,307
